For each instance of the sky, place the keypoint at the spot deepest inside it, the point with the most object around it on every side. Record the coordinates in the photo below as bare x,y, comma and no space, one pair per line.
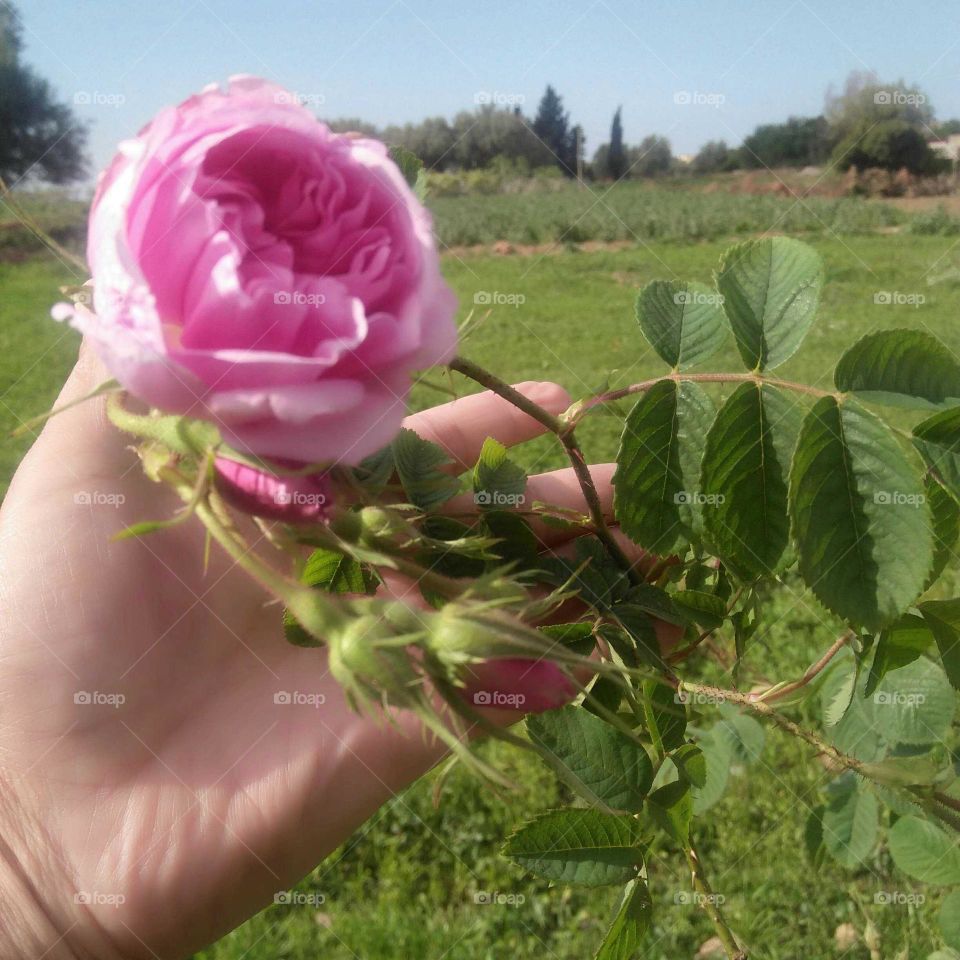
690,71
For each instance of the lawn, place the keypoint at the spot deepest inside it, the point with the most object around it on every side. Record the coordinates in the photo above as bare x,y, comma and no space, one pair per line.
405,885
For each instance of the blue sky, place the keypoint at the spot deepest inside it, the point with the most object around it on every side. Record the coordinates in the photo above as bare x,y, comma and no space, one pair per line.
739,63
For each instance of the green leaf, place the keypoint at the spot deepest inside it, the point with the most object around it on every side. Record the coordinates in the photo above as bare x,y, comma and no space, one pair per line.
605,695
837,693
925,852
902,771
949,920
417,461
771,287
637,630
746,467
665,714
516,541
856,732
813,835
744,735
706,609
583,847
630,923
335,573
655,496
914,704
682,321
717,757
903,368
945,513
671,807
588,752
497,480
860,518
943,618
577,637
850,821
411,166
938,440
691,764
900,644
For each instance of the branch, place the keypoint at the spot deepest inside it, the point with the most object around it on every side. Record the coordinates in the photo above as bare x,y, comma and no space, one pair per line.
710,907
564,431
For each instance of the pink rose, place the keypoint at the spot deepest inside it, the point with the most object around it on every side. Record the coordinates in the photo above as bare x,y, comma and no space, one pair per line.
529,686
293,498
255,269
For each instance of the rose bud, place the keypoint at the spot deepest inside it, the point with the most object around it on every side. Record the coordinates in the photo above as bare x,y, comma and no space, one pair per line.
253,268
292,498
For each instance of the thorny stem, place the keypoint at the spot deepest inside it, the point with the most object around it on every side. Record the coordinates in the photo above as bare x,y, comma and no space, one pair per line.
613,395
709,904
564,431
933,801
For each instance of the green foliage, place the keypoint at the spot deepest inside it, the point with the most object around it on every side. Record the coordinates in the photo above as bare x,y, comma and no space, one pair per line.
849,821
683,322
418,464
630,922
925,852
497,480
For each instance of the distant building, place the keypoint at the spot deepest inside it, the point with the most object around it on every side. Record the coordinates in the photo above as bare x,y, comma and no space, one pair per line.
949,147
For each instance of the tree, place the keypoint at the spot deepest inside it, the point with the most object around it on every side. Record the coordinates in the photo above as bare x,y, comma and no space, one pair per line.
616,160
651,158
889,145
800,142
714,157
552,126
39,136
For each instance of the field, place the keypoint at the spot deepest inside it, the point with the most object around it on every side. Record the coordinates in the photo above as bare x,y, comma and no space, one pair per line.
405,885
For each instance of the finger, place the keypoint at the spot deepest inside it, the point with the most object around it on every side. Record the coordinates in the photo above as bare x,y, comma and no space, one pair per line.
559,488
461,426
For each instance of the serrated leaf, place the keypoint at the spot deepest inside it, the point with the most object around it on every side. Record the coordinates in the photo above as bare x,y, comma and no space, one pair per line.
658,465
630,923
516,541
640,632
691,764
949,920
914,704
682,321
856,732
902,771
705,609
746,467
717,757
945,514
577,637
943,618
925,852
590,752
665,714
938,440
671,807
771,288
860,518
744,735
497,480
850,821
583,847
901,643
836,696
417,461
903,368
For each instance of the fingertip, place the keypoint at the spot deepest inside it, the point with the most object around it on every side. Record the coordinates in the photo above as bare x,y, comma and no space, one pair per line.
547,394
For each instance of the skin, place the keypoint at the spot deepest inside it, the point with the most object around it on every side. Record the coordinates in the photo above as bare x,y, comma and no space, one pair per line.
198,797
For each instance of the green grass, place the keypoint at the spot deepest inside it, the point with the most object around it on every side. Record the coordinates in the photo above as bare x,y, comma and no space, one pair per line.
404,885
648,212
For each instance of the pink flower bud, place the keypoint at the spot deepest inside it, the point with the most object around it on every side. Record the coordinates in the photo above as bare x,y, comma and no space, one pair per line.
527,686
291,498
